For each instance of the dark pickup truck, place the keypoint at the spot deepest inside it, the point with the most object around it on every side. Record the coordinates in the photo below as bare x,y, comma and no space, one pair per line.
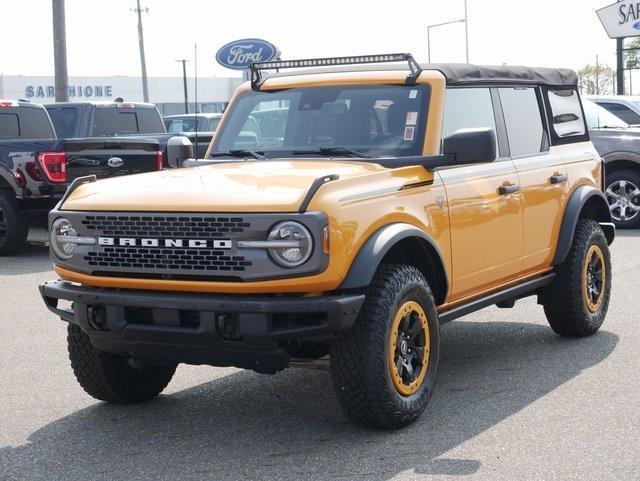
109,119
36,166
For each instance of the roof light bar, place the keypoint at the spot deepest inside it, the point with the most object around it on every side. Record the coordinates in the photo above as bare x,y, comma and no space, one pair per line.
414,67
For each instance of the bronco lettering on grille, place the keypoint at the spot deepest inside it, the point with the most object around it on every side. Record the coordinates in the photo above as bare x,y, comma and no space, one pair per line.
185,243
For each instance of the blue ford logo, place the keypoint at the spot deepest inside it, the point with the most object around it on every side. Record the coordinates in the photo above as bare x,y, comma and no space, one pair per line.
636,25
240,54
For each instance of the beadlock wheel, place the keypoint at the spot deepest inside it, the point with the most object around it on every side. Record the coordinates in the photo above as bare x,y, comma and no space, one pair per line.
409,348
594,278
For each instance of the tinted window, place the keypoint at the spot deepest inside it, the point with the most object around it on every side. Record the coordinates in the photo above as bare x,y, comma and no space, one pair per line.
524,122
622,111
65,121
600,118
35,124
9,128
380,121
149,121
567,120
468,108
114,122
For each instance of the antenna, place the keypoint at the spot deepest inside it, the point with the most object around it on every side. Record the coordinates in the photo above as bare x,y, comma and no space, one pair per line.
195,67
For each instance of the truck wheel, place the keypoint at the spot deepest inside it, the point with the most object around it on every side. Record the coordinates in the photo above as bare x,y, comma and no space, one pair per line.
112,378
384,368
623,195
576,302
13,226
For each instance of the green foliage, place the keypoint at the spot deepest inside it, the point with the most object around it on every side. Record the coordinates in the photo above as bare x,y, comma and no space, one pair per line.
596,79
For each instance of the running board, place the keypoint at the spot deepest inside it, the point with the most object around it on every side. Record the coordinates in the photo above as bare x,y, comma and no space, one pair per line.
518,291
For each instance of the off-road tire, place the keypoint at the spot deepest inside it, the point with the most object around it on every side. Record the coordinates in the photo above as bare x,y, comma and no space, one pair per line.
360,365
11,219
112,378
633,178
564,300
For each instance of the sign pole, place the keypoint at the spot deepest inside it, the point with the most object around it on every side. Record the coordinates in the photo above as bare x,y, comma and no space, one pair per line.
620,66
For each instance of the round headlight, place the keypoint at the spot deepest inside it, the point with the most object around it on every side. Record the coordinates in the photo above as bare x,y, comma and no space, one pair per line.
59,230
296,244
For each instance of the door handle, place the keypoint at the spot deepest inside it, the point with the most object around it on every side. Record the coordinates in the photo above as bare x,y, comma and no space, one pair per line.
558,179
508,189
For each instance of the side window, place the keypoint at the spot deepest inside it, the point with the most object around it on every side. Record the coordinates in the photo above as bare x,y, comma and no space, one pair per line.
622,111
567,121
467,108
9,126
524,121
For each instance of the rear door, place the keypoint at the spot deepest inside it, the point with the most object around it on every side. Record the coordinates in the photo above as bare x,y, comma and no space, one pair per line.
542,172
485,205
111,157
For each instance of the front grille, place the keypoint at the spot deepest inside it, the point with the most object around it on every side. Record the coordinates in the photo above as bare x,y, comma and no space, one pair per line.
200,227
167,258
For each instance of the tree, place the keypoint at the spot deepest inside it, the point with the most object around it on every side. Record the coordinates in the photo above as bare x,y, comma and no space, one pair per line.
596,79
632,55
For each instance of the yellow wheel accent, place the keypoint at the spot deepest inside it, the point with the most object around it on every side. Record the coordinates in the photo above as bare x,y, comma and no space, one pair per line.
409,347
594,278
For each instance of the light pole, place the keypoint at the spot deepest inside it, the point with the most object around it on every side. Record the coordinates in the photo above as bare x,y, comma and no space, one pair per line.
143,63
184,79
429,27
60,52
466,32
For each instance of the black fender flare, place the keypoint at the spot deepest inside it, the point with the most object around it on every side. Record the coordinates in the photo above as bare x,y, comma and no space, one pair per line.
621,155
7,175
579,198
364,266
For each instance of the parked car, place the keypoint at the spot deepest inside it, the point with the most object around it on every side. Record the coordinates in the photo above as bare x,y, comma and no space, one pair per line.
199,128
109,119
397,199
36,166
619,145
625,107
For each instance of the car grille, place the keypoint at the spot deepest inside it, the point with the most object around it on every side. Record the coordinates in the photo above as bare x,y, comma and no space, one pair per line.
166,259
201,227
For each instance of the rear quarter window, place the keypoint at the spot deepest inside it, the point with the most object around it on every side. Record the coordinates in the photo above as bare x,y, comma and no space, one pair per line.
9,127
566,116
149,121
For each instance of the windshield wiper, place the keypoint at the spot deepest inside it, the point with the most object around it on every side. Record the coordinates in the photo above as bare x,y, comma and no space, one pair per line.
332,151
239,153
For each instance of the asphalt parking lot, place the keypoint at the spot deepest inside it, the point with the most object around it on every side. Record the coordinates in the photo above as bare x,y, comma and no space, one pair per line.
513,401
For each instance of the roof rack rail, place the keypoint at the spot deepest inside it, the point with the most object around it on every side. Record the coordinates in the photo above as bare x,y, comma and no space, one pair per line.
256,67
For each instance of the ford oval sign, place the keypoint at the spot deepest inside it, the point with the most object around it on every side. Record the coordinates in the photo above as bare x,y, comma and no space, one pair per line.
240,54
115,162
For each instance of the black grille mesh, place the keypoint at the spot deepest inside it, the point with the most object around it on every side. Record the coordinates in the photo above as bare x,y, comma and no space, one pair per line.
166,227
178,227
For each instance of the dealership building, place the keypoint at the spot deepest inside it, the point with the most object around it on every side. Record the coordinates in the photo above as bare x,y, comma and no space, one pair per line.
166,92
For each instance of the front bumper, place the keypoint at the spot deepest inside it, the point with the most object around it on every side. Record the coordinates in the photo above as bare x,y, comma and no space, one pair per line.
219,330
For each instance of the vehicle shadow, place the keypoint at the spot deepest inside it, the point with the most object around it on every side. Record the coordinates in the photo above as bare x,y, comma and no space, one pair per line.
289,426
627,232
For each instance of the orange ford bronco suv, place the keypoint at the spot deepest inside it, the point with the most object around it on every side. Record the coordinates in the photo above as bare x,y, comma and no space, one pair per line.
341,215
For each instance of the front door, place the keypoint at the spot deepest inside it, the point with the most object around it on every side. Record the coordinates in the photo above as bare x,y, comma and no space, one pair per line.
485,202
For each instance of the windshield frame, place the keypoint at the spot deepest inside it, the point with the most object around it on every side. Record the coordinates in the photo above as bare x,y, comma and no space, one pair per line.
416,149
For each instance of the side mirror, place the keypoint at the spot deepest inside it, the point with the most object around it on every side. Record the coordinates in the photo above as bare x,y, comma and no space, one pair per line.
179,149
471,146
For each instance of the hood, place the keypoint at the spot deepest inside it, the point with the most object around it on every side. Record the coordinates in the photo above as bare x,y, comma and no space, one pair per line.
244,186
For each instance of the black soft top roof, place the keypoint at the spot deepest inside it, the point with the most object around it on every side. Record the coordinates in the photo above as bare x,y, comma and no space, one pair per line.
457,74
463,74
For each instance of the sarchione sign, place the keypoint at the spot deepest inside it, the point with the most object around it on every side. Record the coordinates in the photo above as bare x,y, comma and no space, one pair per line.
621,19
240,54
90,91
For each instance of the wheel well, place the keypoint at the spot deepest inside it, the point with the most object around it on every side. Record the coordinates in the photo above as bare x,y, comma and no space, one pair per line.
621,164
596,209
422,255
4,184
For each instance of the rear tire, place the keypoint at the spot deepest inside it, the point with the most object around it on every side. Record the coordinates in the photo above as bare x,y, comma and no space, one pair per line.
112,378
576,302
623,196
14,228
384,368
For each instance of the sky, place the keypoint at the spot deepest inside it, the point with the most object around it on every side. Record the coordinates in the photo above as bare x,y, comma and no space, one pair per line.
102,34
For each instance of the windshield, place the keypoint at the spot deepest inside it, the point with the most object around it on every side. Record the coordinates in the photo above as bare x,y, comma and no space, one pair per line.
600,118
378,121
